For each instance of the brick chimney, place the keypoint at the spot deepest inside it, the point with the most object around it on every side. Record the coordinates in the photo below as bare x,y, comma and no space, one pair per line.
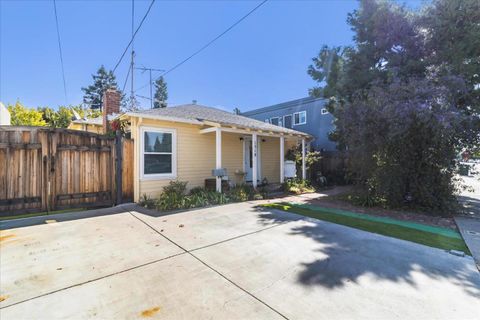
111,105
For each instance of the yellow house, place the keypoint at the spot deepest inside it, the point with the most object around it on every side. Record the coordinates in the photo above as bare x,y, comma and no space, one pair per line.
93,125
194,143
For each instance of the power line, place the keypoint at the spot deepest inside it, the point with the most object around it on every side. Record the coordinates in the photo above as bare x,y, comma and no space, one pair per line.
60,49
133,36
209,43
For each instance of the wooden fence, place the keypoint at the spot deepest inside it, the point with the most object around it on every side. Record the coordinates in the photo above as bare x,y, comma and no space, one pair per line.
45,169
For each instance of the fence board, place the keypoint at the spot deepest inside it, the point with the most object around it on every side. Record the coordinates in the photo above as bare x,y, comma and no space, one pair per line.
44,169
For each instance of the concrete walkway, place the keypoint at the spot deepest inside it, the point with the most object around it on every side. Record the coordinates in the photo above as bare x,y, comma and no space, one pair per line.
469,224
227,262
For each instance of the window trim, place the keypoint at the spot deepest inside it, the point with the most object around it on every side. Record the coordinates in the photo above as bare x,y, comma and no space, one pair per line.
324,111
288,115
300,123
158,176
278,121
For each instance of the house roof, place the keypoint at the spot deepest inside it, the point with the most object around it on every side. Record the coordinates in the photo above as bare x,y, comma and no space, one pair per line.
203,115
283,105
96,121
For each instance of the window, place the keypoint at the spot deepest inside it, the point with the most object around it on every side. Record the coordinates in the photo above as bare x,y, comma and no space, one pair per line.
300,118
287,121
324,111
158,158
267,120
274,121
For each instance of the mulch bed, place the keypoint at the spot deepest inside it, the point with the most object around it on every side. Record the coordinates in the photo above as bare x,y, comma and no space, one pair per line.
394,214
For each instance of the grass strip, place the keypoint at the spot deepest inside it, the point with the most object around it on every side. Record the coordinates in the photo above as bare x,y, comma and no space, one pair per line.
38,214
430,236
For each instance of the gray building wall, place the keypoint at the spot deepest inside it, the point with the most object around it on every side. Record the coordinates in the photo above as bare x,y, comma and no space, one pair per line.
318,125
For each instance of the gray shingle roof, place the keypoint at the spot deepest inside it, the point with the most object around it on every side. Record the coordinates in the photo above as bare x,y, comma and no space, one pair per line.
201,115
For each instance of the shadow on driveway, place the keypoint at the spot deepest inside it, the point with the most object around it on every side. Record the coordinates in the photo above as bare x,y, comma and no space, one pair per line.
351,254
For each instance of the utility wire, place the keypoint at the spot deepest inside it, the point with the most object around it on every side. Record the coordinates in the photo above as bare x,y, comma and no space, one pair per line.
60,50
133,36
209,43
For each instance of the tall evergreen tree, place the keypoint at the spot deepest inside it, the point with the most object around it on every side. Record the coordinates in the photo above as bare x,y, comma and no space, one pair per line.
102,80
161,93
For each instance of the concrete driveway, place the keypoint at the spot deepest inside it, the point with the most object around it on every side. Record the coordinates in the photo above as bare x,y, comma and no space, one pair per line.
227,262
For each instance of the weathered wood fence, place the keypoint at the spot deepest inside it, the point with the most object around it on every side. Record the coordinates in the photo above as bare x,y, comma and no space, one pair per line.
44,169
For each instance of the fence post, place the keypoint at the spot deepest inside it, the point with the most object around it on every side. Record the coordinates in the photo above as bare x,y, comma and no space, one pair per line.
118,169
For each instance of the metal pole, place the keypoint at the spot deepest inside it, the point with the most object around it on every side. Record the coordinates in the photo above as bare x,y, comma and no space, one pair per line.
151,97
132,65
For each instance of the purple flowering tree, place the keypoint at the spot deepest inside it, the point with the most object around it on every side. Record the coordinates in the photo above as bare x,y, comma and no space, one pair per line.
402,113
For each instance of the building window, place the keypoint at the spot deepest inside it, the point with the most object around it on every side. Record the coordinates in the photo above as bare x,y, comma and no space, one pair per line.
158,153
324,111
287,121
267,120
274,121
300,118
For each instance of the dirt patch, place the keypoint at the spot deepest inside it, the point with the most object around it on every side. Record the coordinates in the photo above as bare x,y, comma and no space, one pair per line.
150,312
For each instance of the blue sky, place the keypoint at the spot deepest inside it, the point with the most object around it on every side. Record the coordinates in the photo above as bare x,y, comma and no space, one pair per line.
260,62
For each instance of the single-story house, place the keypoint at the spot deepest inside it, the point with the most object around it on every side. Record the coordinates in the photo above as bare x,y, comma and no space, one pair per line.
94,125
188,142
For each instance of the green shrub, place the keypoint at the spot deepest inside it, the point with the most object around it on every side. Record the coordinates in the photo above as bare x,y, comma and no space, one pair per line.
146,201
174,197
241,192
297,186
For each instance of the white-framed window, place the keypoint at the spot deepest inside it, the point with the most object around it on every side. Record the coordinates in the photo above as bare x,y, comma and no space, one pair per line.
158,154
300,118
274,120
267,120
324,111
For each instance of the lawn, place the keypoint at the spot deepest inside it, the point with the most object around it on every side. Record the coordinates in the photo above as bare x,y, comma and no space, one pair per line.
37,214
436,237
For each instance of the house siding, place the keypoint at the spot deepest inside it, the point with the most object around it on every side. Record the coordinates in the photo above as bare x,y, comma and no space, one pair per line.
318,125
196,156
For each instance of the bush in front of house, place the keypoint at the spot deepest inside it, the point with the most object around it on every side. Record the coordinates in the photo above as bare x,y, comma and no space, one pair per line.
242,192
297,186
175,197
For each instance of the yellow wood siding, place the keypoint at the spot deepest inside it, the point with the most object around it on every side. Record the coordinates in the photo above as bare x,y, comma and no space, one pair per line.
196,156
270,158
86,127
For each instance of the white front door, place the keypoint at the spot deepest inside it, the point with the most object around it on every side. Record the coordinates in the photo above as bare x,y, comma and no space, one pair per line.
247,159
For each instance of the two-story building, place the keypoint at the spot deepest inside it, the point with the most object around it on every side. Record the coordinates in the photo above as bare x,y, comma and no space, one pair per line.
308,115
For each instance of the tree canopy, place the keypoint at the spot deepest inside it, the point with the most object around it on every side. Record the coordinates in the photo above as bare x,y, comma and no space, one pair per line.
102,80
161,93
23,116
405,97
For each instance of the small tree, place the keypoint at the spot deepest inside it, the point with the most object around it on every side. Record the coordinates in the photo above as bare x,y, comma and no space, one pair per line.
57,119
22,116
161,93
102,80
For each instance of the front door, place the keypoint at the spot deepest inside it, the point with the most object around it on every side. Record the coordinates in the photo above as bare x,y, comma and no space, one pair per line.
248,159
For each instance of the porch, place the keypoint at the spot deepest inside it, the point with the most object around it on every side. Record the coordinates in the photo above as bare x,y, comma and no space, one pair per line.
263,155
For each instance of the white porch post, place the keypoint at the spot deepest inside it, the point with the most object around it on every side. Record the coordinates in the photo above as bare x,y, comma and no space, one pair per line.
218,157
304,167
282,159
254,160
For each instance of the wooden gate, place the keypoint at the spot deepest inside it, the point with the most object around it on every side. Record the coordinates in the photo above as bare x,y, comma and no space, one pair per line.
45,169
